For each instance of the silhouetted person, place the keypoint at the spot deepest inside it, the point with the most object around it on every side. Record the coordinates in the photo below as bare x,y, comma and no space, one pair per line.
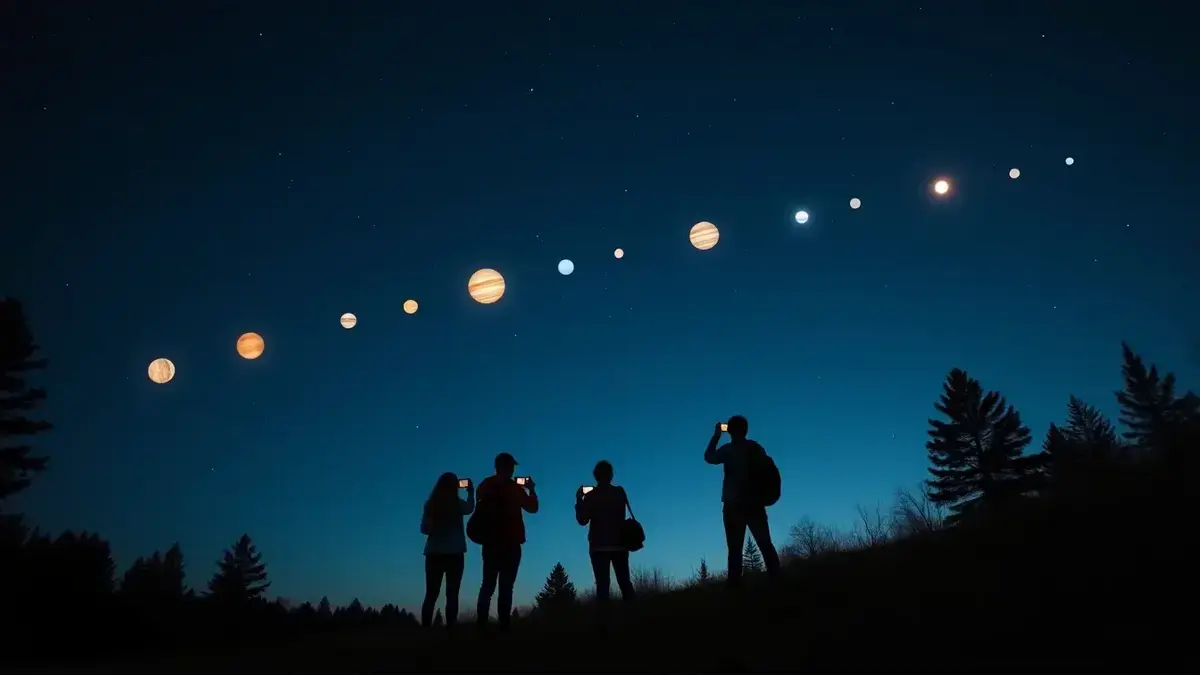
502,550
445,545
603,511
741,509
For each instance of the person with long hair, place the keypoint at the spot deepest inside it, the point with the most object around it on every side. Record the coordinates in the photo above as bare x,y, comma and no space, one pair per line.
602,510
445,545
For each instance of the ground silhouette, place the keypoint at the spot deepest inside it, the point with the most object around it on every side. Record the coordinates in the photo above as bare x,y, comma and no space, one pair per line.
1065,558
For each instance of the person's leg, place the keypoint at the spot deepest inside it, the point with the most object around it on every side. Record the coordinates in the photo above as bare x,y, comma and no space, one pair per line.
735,538
760,529
600,568
620,563
454,575
486,589
508,578
434,569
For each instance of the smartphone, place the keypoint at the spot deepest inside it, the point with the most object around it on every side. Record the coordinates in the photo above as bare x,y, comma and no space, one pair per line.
724,427
587,488
464,482
521,480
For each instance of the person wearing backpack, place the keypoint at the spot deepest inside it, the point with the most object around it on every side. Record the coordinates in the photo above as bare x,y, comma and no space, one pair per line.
499,515
445,545
602,510
751,483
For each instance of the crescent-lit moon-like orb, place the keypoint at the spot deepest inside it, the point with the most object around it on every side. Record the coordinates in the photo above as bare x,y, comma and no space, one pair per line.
1014,173
1070,161
161,371
565,267
802,217
486,286
704,235
250,346
619,253
855,202
410,306
941,186
349,320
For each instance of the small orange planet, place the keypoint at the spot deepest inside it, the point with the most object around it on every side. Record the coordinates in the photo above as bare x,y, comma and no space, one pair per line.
704,235
349,321
161,371
250,346
410,306
486,286
619,253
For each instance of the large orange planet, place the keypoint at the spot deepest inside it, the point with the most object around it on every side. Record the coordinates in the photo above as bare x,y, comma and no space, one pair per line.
704,235
349,320
161,371
250,346
410,306
486,286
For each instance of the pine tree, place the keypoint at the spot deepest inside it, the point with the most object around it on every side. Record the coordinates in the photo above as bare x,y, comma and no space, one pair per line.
752,560
976,454
1155,418
241,576
1084,449
324,608
17,350
702,574
559,592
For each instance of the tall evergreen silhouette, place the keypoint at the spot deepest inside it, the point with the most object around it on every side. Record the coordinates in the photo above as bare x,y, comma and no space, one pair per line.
752,560
1154,416
18,358
155,579
558,592
702,575
241,576
1084,449
977,452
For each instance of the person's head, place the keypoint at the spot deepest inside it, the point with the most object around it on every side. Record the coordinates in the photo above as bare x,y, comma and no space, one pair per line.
603,473
738,427
443,500
506,464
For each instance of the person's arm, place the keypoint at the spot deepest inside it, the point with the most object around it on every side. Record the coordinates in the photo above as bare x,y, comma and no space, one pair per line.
529,500
583,514
425,520
714,454
466,506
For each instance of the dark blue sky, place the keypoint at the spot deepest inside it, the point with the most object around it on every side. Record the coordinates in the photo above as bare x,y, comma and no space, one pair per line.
177,174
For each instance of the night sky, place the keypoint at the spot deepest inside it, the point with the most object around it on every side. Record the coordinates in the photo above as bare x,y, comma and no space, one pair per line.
177,174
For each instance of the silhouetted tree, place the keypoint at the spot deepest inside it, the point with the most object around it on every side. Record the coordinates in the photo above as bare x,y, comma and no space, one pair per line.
324,609
558,593
241,576
17,352
752,560
977,453
156,579
1155,418
702,574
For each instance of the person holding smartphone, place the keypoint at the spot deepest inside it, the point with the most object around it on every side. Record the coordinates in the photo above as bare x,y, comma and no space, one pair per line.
445,544
740,511
507,500
602,510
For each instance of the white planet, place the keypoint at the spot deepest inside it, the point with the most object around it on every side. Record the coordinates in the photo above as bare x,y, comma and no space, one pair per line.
619,253
942,186
1014,173
565,267
802,217
1070,161
855,202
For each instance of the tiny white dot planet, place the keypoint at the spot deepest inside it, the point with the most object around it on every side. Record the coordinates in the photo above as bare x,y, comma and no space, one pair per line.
802,217
855,202
1014,173
1070,161
619,253
565,267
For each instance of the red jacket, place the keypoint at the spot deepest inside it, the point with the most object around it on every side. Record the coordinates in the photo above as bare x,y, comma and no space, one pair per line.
511,501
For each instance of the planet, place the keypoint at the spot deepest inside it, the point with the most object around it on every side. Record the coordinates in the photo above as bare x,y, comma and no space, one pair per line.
619,253
410,306
349,320
250,346
802,217
704,235
942,186
855,202
161,371
486,286
1070,161
565,267
1014,173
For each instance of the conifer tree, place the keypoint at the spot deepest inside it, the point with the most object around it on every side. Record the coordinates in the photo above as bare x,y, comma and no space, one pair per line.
977,452
324,608
702,574
752,560
1154,417
241,576
17,398
558,592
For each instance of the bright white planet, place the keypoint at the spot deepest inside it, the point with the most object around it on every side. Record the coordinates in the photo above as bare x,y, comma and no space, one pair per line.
802,217
349,320
855,202
619,253
565,267
1070,161
941,187
1014,173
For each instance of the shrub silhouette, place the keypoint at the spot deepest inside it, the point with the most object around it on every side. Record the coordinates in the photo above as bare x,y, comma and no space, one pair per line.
17,398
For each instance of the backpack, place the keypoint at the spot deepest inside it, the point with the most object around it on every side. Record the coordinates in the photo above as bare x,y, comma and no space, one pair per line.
481,526
763,477
633,535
